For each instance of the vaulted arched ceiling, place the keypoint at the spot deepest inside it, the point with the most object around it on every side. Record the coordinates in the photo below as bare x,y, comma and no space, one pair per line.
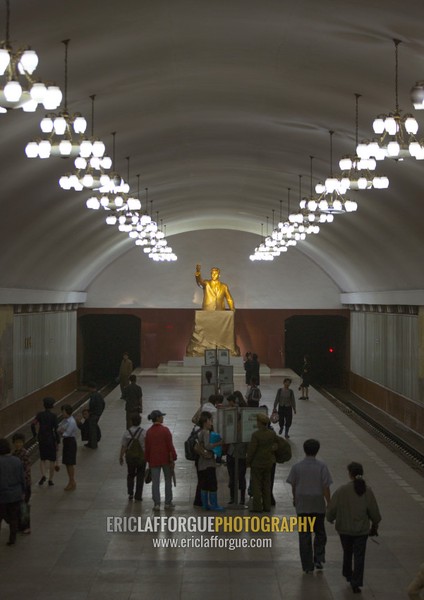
219,106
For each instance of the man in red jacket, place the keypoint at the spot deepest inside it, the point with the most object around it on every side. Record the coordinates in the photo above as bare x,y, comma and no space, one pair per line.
160,454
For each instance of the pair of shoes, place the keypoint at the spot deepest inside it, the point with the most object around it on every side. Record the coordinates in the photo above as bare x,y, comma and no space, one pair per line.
355,589
308,571
156,507
138,498
42,480
302,398
50,482
318,565
169,506
130,496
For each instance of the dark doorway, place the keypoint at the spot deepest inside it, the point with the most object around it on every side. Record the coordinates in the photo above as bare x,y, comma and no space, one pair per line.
325,340
104,340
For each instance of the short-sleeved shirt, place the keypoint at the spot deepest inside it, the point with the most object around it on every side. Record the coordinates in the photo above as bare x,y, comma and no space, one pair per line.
69,427
309,477
127,437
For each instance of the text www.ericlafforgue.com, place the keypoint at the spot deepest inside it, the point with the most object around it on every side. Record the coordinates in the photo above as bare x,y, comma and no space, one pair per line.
213,541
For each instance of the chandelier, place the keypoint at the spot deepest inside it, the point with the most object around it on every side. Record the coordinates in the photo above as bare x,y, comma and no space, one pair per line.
90,165
268,249
356,171
397,131
161,252
60,128
330,194
305,219
113,195
20,90
309,207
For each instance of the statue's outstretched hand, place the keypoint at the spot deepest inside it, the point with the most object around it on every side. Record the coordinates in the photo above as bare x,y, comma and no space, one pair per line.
198,267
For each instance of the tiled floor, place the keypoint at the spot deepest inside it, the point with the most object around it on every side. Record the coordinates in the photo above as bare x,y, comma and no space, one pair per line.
70,555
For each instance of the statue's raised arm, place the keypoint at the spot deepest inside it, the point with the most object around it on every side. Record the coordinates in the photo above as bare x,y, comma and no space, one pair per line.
214,291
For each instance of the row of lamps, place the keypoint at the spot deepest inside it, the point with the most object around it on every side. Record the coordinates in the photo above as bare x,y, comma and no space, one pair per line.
64,137
397,140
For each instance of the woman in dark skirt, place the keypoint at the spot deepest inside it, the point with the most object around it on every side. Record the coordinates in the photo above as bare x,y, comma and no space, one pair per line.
68,428
45,427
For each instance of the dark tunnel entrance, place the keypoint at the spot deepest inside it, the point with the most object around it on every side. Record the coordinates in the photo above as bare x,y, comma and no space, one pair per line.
325,340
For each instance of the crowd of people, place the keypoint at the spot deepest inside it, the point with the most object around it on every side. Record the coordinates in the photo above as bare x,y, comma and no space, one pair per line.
150,452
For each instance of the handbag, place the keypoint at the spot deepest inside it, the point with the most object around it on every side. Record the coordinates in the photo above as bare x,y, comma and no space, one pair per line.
148,476
274,418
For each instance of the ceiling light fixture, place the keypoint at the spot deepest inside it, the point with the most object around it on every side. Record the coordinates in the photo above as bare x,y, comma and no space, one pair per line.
304,219
263,252
309,206
60,128
90,165
331,199
20,89
355,170
397,132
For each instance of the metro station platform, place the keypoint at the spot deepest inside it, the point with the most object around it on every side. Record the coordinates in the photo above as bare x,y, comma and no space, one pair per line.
70,555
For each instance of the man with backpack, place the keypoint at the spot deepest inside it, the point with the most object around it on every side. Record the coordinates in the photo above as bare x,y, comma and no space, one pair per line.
254,394
132,448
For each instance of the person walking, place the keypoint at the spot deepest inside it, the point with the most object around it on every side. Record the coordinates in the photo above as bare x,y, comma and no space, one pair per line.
125,370
161,456
310,480
286,404
69,429
133,396
96,406
261,458
133,450
44,427
355,510
12,489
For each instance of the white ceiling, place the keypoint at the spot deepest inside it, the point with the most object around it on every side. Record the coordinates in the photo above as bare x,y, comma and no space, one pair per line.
219,105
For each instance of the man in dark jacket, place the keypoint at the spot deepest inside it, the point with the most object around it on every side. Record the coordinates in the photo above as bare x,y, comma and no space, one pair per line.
133,396
96,407
261,458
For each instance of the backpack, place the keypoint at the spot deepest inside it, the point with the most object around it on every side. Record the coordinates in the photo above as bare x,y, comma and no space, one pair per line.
253,397
135,453
190,443
283,452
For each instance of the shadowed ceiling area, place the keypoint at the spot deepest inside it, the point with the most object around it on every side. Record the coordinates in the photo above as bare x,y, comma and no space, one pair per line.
219,106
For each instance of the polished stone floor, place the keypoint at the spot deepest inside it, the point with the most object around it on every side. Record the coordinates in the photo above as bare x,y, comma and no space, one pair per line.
70,555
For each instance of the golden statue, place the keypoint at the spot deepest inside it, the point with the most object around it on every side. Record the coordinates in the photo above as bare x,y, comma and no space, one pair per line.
214,291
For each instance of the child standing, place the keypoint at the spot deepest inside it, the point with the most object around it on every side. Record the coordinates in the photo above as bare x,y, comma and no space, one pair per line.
19,450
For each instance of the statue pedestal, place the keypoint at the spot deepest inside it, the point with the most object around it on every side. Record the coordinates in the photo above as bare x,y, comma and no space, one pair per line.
212,329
